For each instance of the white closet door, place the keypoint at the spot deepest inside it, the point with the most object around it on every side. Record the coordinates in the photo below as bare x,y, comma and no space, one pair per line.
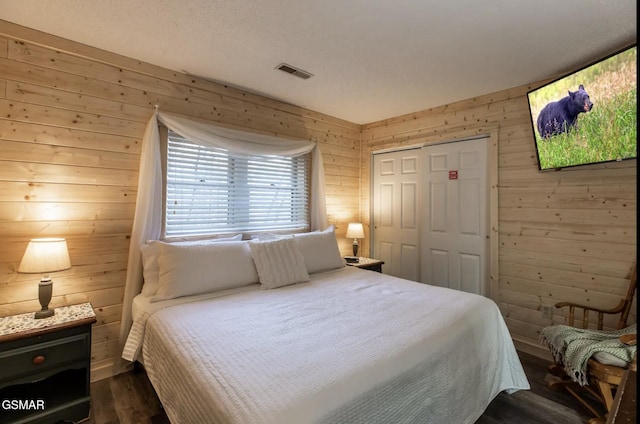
395,213
454,236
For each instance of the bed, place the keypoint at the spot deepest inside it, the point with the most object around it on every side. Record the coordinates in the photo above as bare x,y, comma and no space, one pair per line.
340,345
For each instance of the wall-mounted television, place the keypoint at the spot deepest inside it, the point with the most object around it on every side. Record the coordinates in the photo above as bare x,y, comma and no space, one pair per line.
588,116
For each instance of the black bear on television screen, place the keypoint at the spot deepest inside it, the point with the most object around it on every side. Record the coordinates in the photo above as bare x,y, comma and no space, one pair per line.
558,117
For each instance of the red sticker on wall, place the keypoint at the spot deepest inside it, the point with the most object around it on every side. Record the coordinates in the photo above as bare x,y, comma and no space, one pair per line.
453,175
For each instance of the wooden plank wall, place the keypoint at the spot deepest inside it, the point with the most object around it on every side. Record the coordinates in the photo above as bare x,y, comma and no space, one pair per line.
71,122
568,235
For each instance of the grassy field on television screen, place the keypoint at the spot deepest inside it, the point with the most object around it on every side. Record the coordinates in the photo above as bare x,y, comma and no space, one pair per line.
608,131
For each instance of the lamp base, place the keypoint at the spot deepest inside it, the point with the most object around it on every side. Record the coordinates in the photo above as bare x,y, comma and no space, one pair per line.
44,313
45,289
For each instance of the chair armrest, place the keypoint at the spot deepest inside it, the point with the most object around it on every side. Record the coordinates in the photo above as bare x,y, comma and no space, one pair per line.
615,310
628,339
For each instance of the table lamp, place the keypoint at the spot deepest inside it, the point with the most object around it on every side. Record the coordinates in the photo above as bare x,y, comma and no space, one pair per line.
355,230
45,255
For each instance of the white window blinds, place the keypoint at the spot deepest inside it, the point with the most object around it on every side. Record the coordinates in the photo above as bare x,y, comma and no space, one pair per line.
210,191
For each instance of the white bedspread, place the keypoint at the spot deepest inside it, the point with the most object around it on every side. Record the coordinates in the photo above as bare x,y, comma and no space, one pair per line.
351,346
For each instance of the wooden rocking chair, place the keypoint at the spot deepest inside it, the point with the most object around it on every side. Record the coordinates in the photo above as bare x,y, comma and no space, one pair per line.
605,378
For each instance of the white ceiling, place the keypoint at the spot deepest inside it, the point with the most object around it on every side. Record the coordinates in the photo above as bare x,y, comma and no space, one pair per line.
371,59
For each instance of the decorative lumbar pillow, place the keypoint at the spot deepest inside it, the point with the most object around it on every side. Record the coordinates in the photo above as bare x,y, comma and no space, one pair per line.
279,262
150,252
320,250
200,268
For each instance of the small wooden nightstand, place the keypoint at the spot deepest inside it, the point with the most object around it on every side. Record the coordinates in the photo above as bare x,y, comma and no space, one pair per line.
368,263
45,366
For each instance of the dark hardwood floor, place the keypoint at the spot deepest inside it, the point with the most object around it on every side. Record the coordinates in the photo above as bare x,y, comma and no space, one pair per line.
130,398
540,405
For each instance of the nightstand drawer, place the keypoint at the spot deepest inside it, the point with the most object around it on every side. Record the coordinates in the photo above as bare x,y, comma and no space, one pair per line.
43,356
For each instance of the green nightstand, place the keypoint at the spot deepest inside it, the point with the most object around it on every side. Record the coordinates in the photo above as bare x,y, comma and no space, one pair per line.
45,366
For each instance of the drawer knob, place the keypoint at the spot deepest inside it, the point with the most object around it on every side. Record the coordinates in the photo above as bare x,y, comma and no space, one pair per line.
38,360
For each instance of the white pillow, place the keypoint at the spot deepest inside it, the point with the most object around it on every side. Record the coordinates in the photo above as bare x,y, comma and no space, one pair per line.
607,358
279,262
150,253
200,268
320,250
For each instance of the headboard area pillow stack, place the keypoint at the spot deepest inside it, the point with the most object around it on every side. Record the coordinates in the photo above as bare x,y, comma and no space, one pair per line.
151,251
199,268
178,269
319,249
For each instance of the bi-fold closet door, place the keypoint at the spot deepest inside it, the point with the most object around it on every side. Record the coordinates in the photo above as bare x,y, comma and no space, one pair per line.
430,214
396,212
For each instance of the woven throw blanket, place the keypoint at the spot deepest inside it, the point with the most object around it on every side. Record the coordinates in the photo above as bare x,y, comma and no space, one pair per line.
572,347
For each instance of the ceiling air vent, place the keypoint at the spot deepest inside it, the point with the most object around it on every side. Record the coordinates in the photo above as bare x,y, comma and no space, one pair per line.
294,71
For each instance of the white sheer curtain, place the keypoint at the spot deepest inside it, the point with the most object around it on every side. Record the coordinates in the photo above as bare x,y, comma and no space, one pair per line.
147,222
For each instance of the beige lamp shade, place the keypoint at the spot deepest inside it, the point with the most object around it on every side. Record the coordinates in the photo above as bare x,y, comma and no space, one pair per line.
355,230
45,255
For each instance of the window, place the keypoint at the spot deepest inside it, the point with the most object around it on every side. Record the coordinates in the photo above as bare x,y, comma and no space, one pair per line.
211,191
